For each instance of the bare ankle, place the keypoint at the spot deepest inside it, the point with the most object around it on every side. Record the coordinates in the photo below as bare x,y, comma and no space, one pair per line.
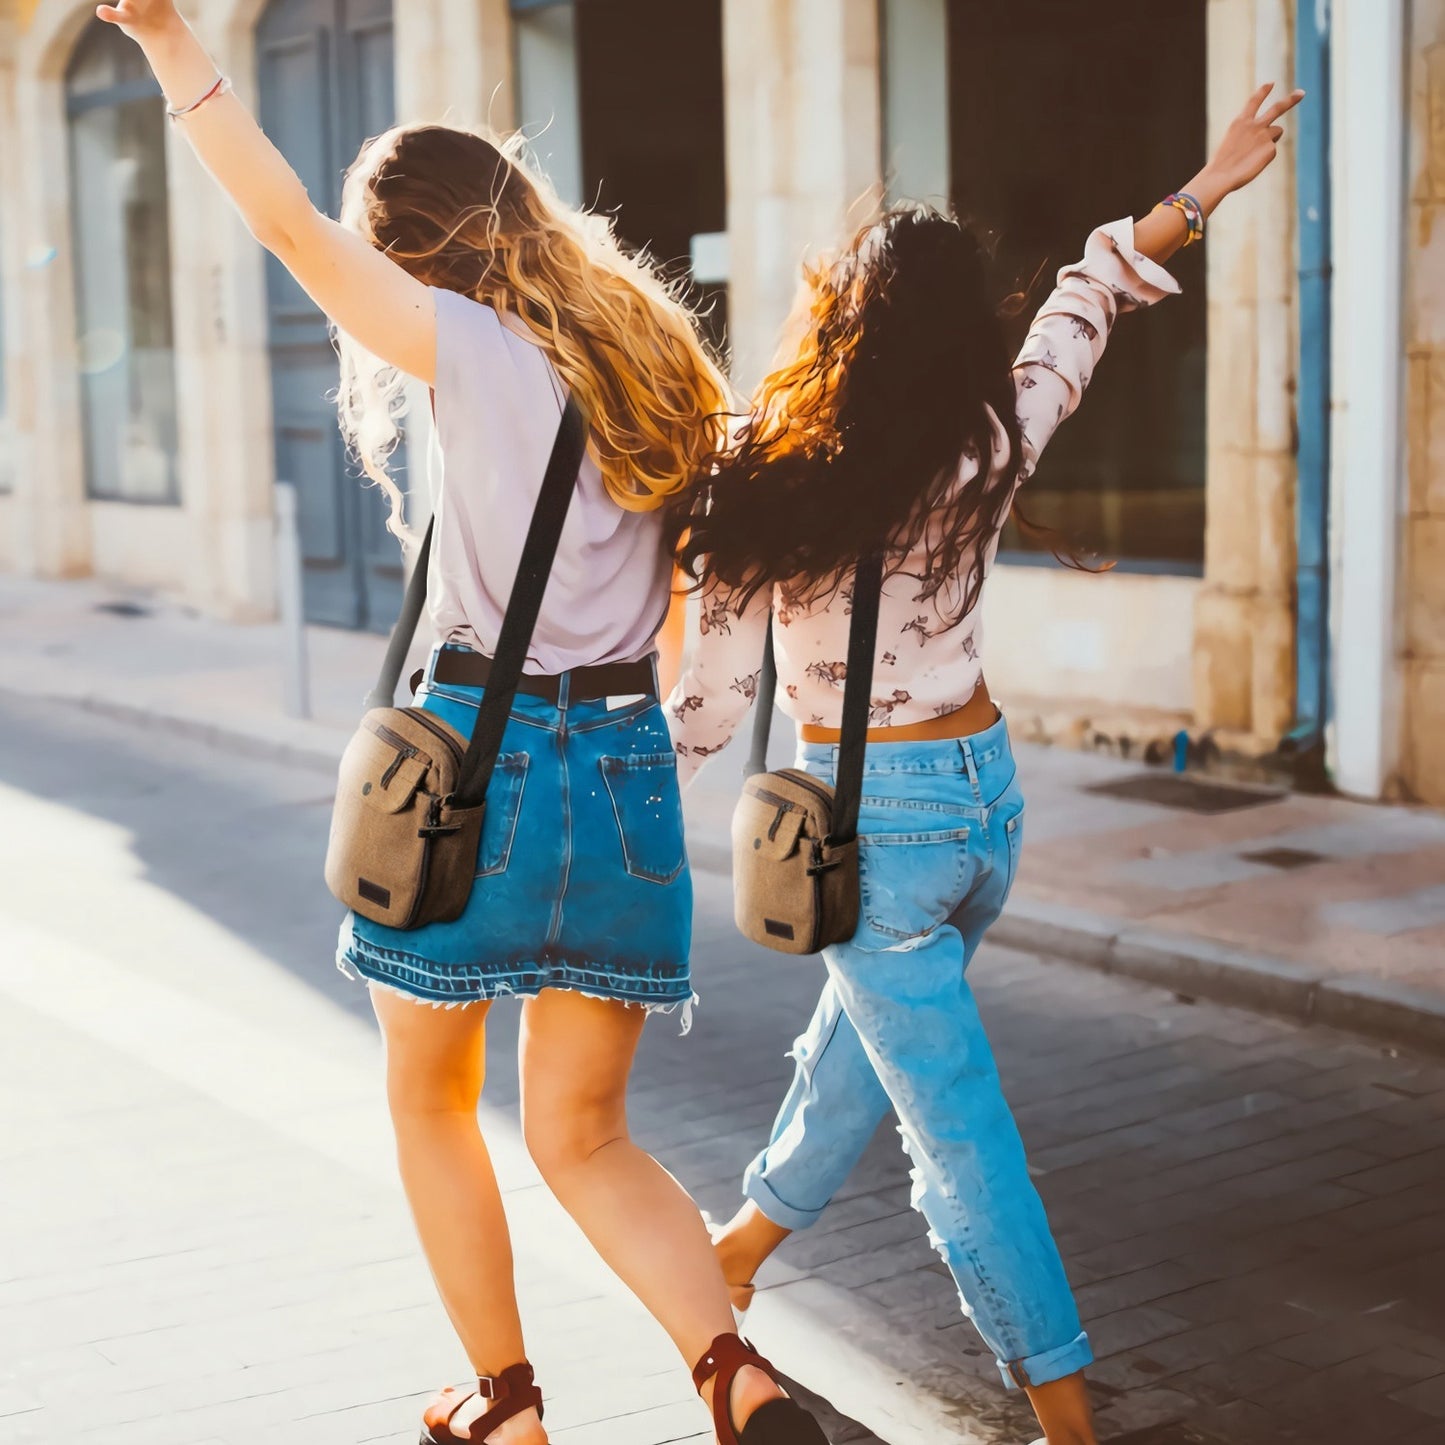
745,1242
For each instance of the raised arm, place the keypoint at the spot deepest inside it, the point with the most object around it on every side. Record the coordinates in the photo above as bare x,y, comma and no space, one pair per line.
1248,146
367,295
1121,271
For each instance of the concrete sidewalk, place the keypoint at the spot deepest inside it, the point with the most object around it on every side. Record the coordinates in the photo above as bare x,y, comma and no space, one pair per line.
1318,908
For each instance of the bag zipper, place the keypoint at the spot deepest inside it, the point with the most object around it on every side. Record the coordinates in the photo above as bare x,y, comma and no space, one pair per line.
776,801
407,749
446,738
819,790
404,750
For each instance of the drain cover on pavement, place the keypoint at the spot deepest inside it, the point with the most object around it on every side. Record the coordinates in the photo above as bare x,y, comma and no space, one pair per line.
1171,790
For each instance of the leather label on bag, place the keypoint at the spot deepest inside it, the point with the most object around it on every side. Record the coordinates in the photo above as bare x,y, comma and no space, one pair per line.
374,892
778,930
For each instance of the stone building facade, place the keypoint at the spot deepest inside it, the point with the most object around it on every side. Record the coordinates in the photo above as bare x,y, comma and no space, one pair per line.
150,403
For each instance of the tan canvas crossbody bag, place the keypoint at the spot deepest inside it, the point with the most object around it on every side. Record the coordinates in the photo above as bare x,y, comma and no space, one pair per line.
795,839
412,792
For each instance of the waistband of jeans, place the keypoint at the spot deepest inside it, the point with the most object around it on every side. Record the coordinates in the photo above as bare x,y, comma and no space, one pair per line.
984,750
562,702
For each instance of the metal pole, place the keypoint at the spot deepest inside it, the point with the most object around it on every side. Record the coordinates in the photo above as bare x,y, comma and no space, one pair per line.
1312,646
295,667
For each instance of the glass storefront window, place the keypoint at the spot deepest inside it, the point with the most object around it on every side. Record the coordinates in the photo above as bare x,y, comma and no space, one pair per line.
625,104
120,225
1041,121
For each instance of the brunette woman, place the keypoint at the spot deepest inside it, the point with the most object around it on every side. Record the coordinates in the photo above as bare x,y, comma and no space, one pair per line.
456,266
899,423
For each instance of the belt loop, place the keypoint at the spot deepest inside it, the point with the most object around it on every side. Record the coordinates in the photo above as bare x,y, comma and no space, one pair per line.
656,681
564,690
431,663
966,744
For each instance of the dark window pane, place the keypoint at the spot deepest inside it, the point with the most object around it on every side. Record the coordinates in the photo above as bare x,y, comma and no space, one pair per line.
651,101
1062,117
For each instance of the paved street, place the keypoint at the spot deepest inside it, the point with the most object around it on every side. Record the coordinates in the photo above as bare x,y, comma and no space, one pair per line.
203,1241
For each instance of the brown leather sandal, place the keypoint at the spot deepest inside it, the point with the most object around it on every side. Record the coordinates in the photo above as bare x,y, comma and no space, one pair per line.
511,1392
779,1422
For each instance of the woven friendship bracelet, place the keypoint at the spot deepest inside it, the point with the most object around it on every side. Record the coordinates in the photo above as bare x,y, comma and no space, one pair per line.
221,86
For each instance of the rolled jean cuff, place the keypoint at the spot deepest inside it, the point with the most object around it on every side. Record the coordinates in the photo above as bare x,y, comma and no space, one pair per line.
756,1188
1050,1365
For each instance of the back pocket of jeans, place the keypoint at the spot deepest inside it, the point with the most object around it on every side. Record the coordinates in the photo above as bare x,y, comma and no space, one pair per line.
504,807
912,882
647,805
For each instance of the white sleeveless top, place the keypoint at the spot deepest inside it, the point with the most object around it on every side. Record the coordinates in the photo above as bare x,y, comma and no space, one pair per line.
498,405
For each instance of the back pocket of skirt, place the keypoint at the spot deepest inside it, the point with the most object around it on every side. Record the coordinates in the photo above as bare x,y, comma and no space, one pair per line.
504,807
647,805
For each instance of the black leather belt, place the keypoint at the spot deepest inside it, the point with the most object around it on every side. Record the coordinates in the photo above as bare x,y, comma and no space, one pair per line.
612,679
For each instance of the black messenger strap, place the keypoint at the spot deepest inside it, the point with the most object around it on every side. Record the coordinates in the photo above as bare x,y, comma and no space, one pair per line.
857,700
384,693
520,620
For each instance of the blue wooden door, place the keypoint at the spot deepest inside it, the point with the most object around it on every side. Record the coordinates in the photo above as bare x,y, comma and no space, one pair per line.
326,74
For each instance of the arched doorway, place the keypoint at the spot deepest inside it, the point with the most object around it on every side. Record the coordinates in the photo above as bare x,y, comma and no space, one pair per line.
327,81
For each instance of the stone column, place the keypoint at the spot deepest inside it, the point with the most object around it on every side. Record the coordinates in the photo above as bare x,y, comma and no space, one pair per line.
1244,617
454,62
11,293
1423,542
801,87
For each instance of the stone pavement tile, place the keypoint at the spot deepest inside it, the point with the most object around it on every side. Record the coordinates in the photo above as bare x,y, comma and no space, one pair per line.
1255,1374
1127,1329
1243,1420
1428,1396
876,1236
1400,1174
1394,914
1138,1287
1320,1404
1322,1347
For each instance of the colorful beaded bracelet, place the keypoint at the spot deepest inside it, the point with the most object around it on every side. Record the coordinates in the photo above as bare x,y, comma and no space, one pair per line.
1192,212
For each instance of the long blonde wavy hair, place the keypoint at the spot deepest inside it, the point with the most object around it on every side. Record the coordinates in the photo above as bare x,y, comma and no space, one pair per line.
463,211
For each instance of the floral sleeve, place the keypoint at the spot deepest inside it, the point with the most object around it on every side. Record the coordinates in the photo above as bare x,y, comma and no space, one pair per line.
721,666
1069,334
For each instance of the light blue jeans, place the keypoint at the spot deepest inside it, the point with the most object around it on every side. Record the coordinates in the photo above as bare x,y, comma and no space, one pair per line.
897,1027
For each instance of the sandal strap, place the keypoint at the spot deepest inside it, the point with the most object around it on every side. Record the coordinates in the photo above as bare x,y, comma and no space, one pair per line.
511,1392
725,1357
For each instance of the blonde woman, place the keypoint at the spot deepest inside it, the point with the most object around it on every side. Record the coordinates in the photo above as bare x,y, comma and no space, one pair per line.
456,266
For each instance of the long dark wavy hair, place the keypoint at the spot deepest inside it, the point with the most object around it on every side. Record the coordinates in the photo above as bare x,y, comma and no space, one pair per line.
855,439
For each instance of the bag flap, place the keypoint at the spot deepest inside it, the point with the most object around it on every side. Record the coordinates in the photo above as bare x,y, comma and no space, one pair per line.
768,822
380,772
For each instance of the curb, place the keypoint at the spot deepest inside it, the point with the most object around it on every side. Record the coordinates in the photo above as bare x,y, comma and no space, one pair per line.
309,745
1198,968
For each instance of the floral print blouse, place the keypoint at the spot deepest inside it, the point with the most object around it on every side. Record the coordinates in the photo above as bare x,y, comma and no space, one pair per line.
923,667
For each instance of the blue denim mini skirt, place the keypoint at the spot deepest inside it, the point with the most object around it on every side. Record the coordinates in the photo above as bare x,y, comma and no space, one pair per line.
582,878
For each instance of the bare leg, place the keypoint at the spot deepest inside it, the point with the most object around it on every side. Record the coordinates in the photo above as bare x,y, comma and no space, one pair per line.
743,1245
435,1066
577,1053
1064,1411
